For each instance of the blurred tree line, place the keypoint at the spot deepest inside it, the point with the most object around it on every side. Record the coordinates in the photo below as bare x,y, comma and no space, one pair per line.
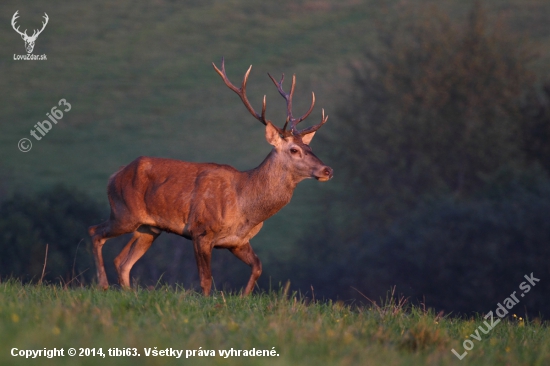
436,107
443,148
444,141
57,218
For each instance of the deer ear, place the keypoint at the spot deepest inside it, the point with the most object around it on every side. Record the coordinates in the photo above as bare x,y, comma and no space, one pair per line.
306,139
272,135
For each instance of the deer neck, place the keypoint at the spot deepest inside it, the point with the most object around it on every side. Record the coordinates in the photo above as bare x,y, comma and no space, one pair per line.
268,188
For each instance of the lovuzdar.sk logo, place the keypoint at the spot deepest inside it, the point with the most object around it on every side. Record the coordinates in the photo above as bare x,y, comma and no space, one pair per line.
29,40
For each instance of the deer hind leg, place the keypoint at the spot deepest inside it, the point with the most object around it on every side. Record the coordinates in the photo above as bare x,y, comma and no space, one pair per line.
247,255
137,246
203,255
100,234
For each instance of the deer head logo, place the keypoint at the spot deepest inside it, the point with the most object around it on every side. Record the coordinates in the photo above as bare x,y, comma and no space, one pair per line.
29,41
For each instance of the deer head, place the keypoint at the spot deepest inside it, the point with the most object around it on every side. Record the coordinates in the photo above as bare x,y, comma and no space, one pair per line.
291,146
29,40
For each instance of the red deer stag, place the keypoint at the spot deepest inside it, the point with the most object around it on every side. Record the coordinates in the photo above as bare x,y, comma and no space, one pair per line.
213,205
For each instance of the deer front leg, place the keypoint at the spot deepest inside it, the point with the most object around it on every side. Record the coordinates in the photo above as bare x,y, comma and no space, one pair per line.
137,246
247,255
203,256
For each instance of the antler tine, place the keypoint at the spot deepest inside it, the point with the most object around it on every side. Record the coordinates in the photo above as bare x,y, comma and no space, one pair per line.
286,96
241,92
263,111
310,108
293,126
314,128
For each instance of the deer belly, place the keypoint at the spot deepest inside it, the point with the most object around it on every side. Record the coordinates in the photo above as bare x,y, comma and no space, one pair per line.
238,238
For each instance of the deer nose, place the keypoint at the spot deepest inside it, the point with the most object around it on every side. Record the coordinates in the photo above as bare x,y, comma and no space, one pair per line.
327,172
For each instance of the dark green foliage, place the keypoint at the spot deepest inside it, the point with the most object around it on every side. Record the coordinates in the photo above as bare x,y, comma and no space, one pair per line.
434,107
536,126
59,218
467,256
456,255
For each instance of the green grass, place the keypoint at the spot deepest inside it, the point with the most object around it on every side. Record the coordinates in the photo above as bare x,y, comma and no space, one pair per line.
300,330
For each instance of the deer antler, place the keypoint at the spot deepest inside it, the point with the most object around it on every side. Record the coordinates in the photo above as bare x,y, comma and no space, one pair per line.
290,118
241,92
288,97
13,19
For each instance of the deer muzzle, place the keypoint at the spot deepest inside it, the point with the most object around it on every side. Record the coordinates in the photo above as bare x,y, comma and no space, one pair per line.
323,174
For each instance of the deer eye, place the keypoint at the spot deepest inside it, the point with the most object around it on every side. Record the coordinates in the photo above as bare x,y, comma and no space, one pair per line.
293,151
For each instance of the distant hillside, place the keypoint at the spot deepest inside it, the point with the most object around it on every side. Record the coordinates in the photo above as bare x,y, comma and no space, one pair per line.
138,76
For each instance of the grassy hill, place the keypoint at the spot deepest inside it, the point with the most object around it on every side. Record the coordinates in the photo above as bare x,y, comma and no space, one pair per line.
139,78
300,331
